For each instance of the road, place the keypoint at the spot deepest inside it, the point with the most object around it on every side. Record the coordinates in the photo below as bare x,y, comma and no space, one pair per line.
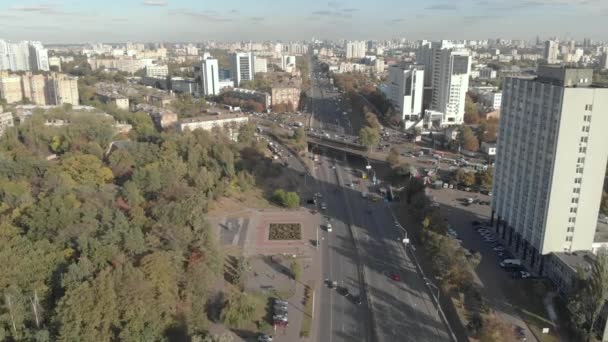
361,252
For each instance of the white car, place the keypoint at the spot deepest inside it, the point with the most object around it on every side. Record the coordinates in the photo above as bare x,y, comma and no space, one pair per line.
328,226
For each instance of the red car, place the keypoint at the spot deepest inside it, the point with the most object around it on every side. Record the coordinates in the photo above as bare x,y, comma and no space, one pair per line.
395,277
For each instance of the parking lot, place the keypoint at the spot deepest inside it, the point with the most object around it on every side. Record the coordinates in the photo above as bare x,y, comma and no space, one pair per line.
468,222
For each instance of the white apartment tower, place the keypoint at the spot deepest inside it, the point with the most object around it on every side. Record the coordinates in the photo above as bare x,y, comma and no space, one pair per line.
551,51
242,67
450,68
210,75
551,159
405,89
355,49
23,56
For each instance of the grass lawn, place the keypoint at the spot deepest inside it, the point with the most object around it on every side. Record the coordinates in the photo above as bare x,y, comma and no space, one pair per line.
309,297
527,296
285,231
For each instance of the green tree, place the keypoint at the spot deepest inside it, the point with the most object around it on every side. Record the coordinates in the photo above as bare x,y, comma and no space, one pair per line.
464,177
85,169
299,135
296,270
372,121
589,296
286,199
238,310
369,137
247,134
485,178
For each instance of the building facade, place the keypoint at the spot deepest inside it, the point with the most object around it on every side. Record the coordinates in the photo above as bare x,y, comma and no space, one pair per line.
451,66
210,77
552,152
242,67
286,93
405,90
23,56
10,88
551,51
355,49
6,121
157,70
260,64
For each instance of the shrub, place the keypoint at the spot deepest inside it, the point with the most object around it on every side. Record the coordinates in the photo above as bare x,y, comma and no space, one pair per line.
285,231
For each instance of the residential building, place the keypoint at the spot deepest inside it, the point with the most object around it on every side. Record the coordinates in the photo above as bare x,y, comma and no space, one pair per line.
552,153
210,77
450,65
604,61
120,101
379,65
242,67
405,89
126,64
260,64
491,99
55,61
229,122
163,118
286,92
157,70
487,73
63,89
355,49
489,149
563,269
551,51
288,63
23,56
247,94
6,121
10,88
38,57
35,89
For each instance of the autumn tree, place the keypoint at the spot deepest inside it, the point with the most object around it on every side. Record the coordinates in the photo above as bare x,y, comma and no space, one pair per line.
393,157
369,137
468,140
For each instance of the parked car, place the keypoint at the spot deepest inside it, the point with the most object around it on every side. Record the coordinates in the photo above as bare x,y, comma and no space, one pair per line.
499,248
264,338
520,334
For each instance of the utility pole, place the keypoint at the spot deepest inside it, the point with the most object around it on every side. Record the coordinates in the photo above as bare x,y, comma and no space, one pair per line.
35,307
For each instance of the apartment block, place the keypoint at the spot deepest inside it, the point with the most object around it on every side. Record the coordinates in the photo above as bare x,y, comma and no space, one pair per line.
405,89
10,88
551,161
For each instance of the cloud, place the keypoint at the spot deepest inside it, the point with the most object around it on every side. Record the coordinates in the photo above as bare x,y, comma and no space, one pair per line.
442,7
257,18
119,20
155,3
475,19
234,11
350,10
399,20
331,14
211,16
43,9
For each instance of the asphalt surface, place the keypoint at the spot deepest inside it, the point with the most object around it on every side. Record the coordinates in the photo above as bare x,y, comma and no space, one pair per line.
363,251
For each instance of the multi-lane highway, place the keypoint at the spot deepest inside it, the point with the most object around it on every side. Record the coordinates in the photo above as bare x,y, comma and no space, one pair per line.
364,251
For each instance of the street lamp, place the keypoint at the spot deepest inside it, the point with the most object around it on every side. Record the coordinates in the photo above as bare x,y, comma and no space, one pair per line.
433,286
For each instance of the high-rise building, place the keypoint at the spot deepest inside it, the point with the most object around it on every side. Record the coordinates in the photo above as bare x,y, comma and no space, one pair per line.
210,77
405,89
551,159
551,51
355,49
260,64
23,56
450,65
604,61
35,88
288,63
242,67
63,89
38,57
10,89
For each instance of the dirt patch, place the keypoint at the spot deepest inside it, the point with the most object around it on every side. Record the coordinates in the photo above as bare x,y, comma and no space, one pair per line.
285,231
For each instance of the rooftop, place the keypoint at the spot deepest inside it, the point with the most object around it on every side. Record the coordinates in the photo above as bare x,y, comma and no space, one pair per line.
576,260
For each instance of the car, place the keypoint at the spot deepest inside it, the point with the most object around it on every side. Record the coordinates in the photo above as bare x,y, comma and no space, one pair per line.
331,284
328,227
395,276
490,239
482,231
280,310
311,201
476,223
364,194
499,248
323,206
264,338
520,334
343,291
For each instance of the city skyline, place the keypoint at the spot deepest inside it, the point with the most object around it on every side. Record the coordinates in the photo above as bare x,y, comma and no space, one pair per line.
186,20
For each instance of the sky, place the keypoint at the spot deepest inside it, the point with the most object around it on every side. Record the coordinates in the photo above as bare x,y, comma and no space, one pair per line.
80,21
